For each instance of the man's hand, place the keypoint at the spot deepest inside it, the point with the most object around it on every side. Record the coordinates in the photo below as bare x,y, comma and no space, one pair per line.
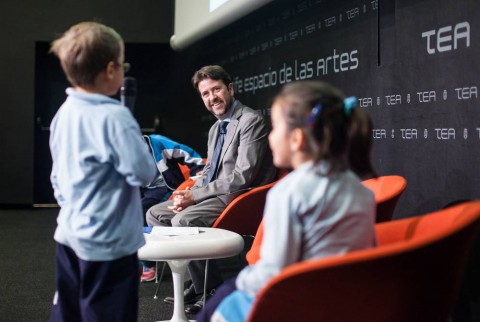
182,200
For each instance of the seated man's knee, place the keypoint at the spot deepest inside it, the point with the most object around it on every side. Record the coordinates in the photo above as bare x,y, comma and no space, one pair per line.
184,219
159,215
149,218
179,221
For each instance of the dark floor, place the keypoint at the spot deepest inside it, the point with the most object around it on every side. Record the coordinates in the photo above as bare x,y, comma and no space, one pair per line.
27,273
27,270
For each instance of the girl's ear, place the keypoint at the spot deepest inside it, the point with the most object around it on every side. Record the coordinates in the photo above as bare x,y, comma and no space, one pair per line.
297,140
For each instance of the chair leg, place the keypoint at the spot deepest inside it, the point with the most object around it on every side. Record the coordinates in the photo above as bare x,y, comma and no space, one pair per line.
205,283
242,257
158,280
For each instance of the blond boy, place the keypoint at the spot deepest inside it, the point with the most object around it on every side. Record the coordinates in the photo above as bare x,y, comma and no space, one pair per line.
99,163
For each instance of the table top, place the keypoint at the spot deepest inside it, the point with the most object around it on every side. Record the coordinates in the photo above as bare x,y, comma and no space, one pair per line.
208,244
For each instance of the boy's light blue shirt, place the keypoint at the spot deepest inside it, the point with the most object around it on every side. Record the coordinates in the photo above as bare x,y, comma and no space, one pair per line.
99,162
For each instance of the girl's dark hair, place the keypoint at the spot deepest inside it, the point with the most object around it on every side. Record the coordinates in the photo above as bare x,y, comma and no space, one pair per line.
214,72
334,131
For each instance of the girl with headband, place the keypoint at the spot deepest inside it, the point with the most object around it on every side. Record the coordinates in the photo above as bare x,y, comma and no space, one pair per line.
319,209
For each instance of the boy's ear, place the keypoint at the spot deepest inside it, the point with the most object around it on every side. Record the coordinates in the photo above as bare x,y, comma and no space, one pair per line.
297,139
110,70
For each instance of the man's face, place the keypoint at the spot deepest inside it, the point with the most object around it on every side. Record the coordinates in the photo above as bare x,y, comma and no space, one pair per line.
216,96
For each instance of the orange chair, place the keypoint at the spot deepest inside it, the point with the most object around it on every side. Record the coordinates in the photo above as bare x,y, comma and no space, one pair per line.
253,255
249,208
244,214
387,191
413,275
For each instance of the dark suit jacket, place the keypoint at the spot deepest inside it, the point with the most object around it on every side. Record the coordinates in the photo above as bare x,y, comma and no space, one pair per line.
245,161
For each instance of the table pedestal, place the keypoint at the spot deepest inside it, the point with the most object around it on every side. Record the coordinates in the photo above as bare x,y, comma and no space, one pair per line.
178,267
179,250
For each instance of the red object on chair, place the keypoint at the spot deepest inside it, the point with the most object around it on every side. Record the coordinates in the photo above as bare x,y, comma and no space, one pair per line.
189,182
387,191
185,170
413,275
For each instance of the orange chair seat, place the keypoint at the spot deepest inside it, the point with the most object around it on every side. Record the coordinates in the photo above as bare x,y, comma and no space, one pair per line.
413,275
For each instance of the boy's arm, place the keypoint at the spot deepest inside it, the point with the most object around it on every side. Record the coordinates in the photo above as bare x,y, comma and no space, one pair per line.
133,159
56,191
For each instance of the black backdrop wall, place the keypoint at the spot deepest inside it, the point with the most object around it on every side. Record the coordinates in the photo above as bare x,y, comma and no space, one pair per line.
23,24
412,64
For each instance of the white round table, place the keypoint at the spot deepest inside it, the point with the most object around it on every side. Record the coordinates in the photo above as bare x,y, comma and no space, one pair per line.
179,250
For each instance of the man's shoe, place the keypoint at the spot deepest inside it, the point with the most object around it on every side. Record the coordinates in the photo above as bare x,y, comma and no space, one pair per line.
198,306
189,296
195,308
148,275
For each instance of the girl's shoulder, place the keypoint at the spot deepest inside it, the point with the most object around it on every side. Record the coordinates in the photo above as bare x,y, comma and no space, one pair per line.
301,182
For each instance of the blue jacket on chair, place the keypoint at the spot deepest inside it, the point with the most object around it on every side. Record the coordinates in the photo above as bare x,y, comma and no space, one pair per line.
167,155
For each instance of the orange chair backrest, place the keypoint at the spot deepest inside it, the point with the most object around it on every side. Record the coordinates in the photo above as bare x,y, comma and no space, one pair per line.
413,276
391,188
253,255
387,190
244,214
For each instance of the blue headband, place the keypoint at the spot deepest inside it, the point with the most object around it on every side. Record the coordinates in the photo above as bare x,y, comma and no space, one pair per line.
348,104
312,118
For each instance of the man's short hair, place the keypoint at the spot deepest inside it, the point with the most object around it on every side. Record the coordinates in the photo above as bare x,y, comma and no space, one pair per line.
85,50
214,72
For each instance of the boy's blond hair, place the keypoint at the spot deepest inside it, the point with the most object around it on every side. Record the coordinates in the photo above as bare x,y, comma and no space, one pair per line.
85,50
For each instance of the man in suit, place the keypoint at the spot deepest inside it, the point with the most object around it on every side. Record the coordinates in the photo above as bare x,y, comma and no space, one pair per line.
239,138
